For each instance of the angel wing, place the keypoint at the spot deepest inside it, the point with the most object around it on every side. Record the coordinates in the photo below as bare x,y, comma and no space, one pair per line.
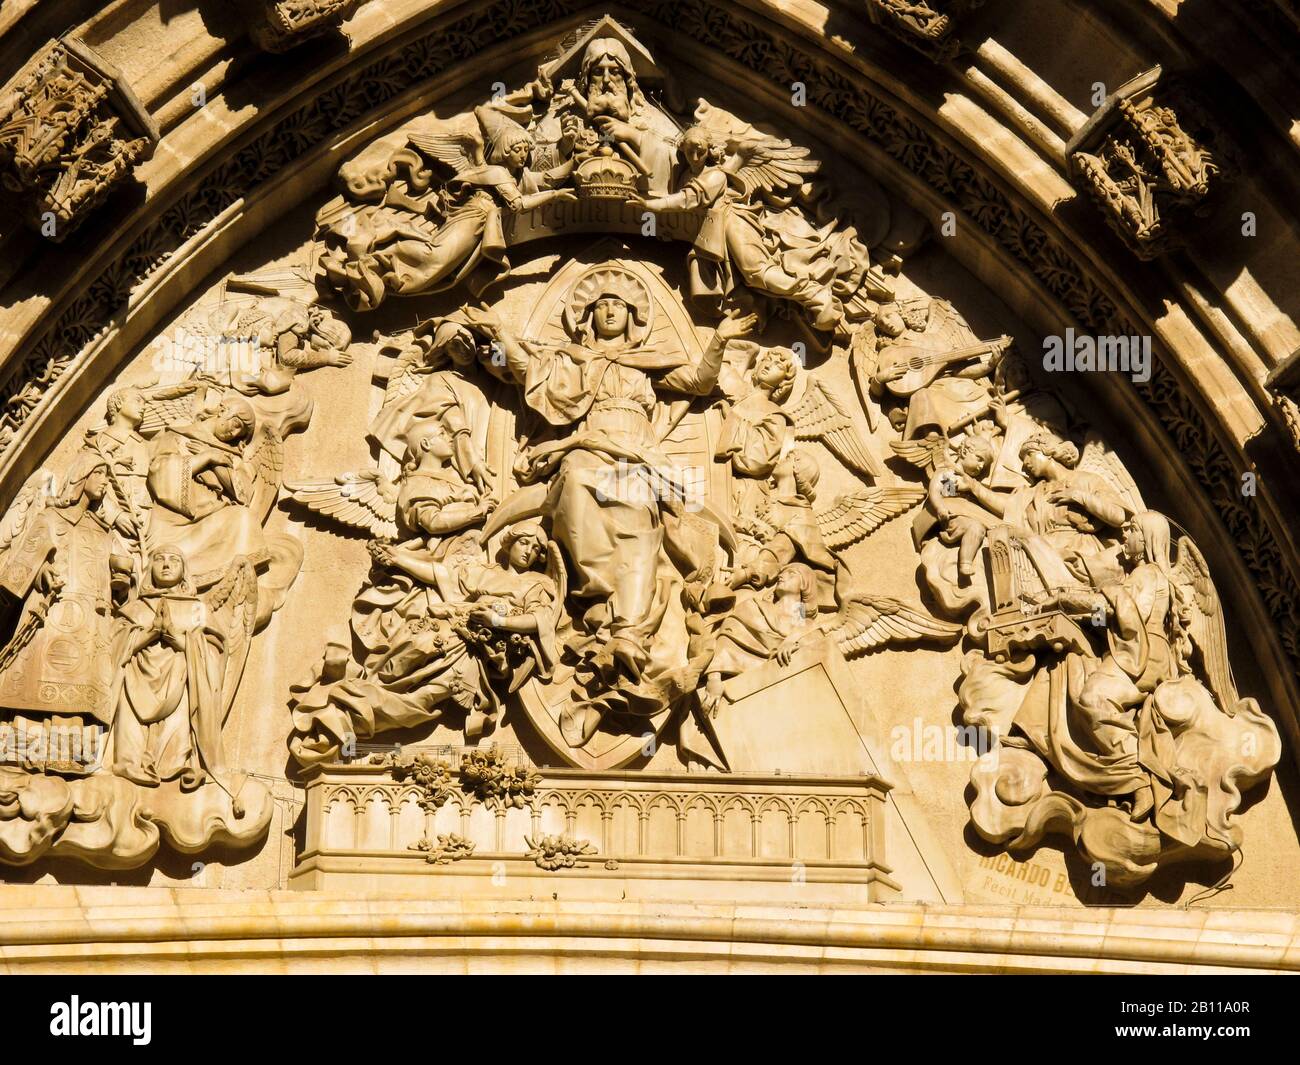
458,150
169,405
365,501
36,491
768,164
867,622
560,577
818,415
1098,458
266,456
232,606
857,514
1206,625
925,454
864,357
403,375
756,160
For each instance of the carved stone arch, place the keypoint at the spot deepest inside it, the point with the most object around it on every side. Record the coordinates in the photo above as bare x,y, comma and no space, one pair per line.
740,802
338,795
815,802
1028,246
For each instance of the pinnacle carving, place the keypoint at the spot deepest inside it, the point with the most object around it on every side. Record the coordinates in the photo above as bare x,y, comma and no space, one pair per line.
70,133
1145,159
285,24
929,26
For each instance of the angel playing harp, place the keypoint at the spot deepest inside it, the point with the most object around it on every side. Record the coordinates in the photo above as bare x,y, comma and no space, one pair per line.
410,245
1163,620
740,180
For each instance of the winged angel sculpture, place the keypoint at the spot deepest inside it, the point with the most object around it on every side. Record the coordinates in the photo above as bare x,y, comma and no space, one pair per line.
1099,659
641,573
132,587
439,202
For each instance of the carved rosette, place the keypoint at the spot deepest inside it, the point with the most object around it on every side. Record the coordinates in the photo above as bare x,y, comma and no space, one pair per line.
930,27
284,24
1145,159
70,133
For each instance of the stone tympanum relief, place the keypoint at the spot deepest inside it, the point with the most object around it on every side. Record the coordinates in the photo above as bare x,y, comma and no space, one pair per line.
660,389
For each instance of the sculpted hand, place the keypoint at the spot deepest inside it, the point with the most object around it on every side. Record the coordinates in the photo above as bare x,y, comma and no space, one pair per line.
998,404
1059,493
484,322
739,577
710,695
481,474
1039,600
786,651
734,328
210,458
570,127
617,129
486,616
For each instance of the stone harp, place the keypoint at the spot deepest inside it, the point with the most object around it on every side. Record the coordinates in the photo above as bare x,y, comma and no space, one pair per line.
1013,626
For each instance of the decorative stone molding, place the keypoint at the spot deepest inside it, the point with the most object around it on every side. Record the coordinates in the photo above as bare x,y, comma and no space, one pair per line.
284,24
559,852
487,773
750,829
929,26
1146,164
445,849
71,131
